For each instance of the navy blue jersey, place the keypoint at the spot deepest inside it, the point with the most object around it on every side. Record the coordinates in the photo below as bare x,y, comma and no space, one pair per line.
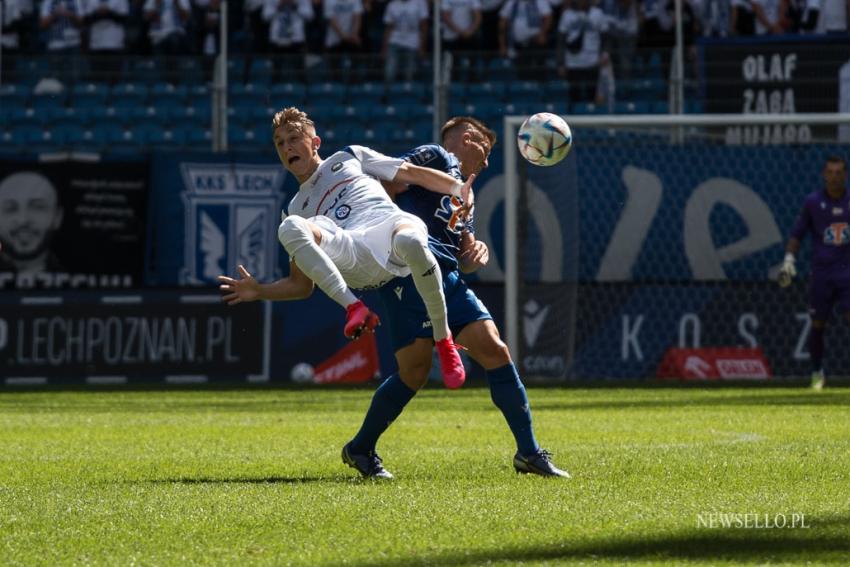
440,212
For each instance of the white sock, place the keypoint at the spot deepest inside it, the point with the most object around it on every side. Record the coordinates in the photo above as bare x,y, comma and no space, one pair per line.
411,245
295,235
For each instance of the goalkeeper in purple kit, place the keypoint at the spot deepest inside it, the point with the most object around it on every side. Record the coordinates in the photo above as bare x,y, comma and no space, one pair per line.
826,217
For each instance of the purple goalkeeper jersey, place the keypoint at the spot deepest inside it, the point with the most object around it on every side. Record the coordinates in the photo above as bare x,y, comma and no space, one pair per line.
828,222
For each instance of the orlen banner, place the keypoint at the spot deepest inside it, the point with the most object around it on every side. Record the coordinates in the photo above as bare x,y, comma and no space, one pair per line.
97,338
211,213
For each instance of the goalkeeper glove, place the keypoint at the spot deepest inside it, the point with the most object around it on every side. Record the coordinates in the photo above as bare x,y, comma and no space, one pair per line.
787,271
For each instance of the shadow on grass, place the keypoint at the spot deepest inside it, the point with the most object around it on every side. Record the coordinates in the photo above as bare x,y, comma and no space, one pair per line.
759,546
272,479
803,398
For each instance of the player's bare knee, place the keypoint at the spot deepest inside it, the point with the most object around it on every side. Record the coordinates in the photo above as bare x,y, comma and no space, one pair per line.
416,376
493,354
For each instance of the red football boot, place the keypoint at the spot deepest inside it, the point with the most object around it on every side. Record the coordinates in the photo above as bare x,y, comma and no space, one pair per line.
359,318
454,374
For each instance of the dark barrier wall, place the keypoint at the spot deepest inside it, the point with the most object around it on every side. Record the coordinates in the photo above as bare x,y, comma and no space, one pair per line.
118,337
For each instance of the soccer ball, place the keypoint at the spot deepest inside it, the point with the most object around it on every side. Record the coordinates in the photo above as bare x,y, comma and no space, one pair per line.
302,373
544,139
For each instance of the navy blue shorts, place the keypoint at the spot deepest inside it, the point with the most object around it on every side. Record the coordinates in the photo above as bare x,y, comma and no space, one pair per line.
826,292
407,318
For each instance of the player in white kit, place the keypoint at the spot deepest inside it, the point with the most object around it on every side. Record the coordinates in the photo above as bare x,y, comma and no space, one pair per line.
343,231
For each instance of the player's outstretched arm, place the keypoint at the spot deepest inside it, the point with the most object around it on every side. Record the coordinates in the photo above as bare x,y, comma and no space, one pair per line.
434,180
247,288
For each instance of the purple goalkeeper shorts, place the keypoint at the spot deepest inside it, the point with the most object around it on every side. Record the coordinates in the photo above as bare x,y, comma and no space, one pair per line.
826,292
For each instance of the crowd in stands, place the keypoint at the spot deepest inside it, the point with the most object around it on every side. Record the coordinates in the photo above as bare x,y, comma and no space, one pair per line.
586,38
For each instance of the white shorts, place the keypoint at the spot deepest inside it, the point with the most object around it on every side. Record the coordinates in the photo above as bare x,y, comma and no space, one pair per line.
364,256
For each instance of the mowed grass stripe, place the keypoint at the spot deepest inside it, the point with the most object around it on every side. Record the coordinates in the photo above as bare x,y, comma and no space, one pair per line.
254,477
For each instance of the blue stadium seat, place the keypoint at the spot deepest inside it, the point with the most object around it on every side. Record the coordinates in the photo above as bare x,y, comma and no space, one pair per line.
33,67
48,101
89,95
189,70
457,92
154,115
70,134
519,108
22,134
330,93
248,94
13,95
145,69
235,68
110,115
45,138
92,138
487,91
261,70
559,107
410,92
366,93
396,114
649,89
365,136
70,116
501,69
168,95
18,116
199,94
661,107
167,138
632,107
135,93
123,138
190,117
287,94
588,108
200,138
558,90
520,92
694,107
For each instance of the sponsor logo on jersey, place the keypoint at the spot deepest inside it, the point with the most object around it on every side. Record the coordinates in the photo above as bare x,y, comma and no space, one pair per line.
837,234
342,212
336,167
375,286
450,212
837,211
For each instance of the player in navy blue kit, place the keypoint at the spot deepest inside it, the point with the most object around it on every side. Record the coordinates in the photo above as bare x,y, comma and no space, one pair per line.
826,216
468,143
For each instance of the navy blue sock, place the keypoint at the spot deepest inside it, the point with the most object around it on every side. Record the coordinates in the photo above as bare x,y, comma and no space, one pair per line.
387,404
816,348
508,394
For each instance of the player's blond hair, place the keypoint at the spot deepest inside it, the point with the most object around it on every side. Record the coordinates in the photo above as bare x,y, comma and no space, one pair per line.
468,123
294,118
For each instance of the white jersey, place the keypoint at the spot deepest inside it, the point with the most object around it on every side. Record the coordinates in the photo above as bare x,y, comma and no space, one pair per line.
344,188
357,217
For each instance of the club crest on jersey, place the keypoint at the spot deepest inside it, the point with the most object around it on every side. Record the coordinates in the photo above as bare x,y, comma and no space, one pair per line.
450,213
837,211
342,212
336,167
423,156
837,234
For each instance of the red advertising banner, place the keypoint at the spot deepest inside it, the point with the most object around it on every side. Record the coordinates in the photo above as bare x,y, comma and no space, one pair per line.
354,363
723,363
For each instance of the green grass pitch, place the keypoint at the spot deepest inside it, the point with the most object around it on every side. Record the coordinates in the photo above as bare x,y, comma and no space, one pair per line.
254,477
